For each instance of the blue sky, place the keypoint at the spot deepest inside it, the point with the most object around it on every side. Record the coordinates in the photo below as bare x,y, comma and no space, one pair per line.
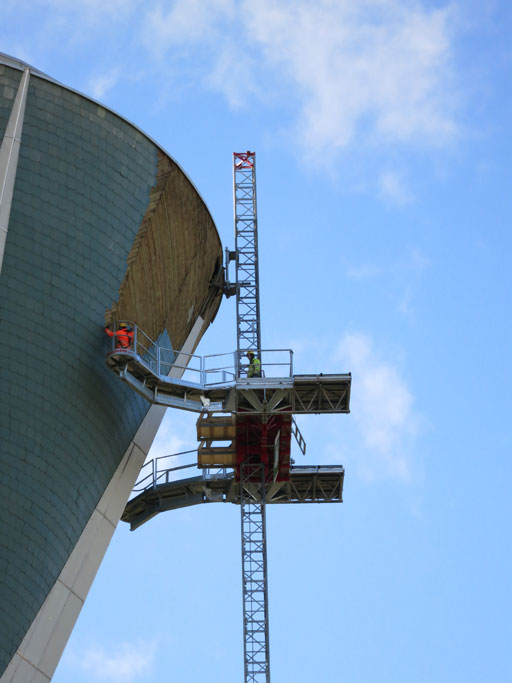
382,133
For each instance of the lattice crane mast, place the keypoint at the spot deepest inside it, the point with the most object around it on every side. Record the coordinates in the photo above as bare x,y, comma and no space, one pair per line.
253,435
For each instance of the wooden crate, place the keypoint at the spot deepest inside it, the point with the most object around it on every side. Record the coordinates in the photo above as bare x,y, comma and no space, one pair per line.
219,456
221,428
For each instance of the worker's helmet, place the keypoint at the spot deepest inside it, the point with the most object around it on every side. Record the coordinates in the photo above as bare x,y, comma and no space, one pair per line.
249,354
123,325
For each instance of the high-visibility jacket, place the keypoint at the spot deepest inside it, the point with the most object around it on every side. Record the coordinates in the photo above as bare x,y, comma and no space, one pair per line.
124,337
254,368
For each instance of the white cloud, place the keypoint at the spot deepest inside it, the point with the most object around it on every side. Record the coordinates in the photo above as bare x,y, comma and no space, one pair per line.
405,304
393,188
341,75
377,68
185,22
92,9
233,73
123,663
371,71
342,72
411,271
414,264
73,14
99,85
418,262
404,275
366,271
382,408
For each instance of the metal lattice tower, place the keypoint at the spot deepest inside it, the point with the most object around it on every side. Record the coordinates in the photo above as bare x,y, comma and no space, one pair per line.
254,574
252,475
246,249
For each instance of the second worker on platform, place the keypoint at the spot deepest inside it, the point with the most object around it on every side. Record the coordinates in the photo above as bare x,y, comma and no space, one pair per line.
254,365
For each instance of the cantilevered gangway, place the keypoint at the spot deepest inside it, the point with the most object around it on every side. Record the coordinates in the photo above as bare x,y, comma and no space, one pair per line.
214,383
160,488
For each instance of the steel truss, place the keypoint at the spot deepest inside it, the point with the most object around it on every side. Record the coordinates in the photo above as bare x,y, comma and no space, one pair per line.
246,249
316,484
254,574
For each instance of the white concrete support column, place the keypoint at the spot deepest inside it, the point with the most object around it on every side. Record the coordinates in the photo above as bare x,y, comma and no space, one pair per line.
40,651
9,152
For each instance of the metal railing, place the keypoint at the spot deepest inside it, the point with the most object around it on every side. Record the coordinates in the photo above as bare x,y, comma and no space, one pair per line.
158,359
159,471
203,371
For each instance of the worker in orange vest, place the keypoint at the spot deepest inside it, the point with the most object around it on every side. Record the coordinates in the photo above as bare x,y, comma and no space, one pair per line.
123,335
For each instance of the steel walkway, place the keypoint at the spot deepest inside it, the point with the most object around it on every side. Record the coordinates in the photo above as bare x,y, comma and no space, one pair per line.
299,394
319,484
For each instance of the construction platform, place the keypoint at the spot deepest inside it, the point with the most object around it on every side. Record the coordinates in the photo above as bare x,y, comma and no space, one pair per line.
222,389
318,484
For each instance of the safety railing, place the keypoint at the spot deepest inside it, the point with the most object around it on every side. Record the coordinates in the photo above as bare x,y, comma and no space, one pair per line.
219,369
205,371
129,338
162,470
274,363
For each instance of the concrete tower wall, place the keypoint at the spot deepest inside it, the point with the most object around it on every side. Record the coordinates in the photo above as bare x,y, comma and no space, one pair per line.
92,195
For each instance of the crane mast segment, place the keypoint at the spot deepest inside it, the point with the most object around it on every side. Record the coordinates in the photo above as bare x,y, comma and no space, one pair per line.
246,250
254,574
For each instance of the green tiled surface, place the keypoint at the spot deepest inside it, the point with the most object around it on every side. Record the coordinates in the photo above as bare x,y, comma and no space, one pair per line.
82,188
